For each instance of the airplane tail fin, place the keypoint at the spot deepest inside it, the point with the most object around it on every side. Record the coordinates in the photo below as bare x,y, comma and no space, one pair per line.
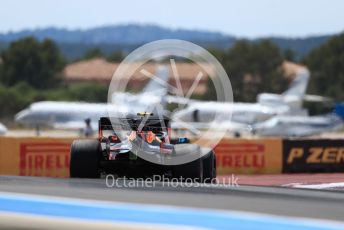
299,85
293,96
158,84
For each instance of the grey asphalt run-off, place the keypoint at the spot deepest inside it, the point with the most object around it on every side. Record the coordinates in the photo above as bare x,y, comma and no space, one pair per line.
269,200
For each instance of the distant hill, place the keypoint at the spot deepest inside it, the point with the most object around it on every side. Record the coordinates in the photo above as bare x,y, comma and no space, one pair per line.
74,43
121,34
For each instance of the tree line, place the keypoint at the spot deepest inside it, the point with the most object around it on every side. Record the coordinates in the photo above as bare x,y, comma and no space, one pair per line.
31,70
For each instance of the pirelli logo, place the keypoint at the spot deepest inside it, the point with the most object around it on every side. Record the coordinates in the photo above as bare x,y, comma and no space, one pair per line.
317,155
244,155
44,159
324,155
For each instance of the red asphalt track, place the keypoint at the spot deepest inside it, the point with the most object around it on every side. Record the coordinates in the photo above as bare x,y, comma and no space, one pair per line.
283,179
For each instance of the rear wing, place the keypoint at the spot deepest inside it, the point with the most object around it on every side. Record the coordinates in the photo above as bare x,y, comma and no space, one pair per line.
154,124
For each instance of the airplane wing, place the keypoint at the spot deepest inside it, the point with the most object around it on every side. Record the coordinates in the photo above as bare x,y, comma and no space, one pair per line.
196,127
178,100
74,125
317,98
298,126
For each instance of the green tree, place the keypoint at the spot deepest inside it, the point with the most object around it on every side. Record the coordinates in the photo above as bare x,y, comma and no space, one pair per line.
88,92
253,68
27,60
326,65
93,53
13,99
289,55
116,56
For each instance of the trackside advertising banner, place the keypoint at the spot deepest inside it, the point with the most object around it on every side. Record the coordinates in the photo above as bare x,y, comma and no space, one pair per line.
302,156
251,156
35,156
50,156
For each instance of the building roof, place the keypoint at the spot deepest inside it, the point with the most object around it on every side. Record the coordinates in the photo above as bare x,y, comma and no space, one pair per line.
101,70
290,69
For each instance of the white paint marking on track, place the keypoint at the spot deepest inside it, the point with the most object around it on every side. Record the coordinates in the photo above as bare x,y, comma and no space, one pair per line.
316,186
156,215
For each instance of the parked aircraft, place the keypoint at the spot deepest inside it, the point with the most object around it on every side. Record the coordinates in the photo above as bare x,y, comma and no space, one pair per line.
72,115
298,126
268,105
272,115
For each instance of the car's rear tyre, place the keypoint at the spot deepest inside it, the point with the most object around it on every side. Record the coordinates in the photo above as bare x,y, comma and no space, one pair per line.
209,167
84,159
191,171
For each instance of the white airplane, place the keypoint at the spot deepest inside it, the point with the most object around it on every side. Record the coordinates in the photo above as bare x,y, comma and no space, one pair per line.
298,126
293,96
72,115
268,105
59,114
3,129
272,115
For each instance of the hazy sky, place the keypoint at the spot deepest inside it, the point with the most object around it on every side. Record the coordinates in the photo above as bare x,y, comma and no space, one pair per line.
248,18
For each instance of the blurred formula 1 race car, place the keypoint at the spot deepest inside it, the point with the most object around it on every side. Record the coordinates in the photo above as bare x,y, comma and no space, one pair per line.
140,146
